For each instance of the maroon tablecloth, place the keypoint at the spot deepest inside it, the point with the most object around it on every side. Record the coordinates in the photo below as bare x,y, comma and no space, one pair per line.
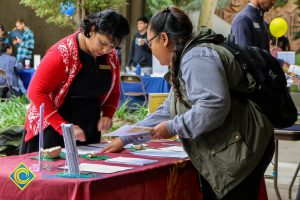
169,178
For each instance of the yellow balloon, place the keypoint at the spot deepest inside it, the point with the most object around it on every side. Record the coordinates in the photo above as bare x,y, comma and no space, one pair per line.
278,27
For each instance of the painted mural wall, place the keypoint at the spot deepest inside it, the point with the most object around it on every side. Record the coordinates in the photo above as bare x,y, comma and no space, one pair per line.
289,12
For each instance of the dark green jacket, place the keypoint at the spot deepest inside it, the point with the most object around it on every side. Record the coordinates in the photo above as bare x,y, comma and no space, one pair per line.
228,154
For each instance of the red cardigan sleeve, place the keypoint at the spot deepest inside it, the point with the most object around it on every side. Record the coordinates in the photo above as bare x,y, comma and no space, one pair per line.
50,73
110,106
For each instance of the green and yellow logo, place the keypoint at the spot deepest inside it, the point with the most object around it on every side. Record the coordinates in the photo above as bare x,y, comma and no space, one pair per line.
22,176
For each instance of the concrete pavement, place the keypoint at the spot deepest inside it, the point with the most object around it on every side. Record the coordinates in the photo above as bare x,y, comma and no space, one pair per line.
289,157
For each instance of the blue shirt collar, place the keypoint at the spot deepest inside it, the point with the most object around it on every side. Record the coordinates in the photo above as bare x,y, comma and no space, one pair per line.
256,11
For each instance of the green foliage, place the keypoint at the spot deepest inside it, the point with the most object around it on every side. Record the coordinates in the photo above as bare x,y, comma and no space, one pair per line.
193,5
222,4
121,111
125,116
294,88
152,6
140,113
13,112
182,3
96,5
298,58
50,9
280,3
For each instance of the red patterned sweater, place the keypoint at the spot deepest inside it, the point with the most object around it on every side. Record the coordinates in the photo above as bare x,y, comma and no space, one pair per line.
52,80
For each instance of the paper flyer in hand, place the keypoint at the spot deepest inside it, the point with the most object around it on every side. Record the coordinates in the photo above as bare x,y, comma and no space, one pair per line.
129,130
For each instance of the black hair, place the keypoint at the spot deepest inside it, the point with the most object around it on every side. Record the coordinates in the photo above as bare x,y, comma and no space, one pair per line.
21,21
3,29
143,19
4,47
282,42
108,22
179,29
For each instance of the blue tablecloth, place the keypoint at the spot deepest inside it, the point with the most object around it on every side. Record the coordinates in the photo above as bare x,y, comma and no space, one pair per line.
151,84
295,127
155,84
26,76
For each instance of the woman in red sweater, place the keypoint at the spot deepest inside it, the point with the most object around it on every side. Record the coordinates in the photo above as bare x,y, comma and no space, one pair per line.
78,81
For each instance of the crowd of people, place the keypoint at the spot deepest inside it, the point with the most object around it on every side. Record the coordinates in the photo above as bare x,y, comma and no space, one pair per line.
22,39
78,82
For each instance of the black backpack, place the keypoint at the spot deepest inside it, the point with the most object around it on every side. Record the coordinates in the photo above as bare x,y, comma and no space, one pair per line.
271,93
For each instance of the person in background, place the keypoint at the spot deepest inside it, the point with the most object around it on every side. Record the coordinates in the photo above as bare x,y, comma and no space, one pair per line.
78,82
248,26
11,66
228,139
140,52
25,45
3,36
283,44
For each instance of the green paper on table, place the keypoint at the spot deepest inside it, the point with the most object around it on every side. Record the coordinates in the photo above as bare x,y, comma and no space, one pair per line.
86,156
62,156
134,148
81,175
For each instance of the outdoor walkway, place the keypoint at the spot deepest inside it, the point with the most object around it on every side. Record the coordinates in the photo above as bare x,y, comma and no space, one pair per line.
289,156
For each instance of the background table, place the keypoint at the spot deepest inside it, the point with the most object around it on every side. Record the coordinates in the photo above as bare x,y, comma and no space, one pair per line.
26,76
169,178
288,134
155,84
151,85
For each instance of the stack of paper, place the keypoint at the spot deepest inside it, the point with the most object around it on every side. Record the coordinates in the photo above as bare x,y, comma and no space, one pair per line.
82,150
295,69
129,130
173,148
130,161
161,153
99,145
70,149
97,168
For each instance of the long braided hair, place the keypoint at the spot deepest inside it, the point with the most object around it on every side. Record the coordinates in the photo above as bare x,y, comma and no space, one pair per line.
179,29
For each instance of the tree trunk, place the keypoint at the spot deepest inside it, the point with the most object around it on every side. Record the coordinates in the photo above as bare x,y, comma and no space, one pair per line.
83,11
207,10
78,15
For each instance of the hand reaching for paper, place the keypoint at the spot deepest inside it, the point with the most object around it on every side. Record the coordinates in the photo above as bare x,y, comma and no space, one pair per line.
115,146
160,131
79,133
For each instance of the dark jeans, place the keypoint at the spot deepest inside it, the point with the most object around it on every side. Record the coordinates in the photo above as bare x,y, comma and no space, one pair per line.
249,188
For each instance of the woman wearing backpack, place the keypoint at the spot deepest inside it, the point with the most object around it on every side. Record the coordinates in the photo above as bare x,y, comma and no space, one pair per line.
228,139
